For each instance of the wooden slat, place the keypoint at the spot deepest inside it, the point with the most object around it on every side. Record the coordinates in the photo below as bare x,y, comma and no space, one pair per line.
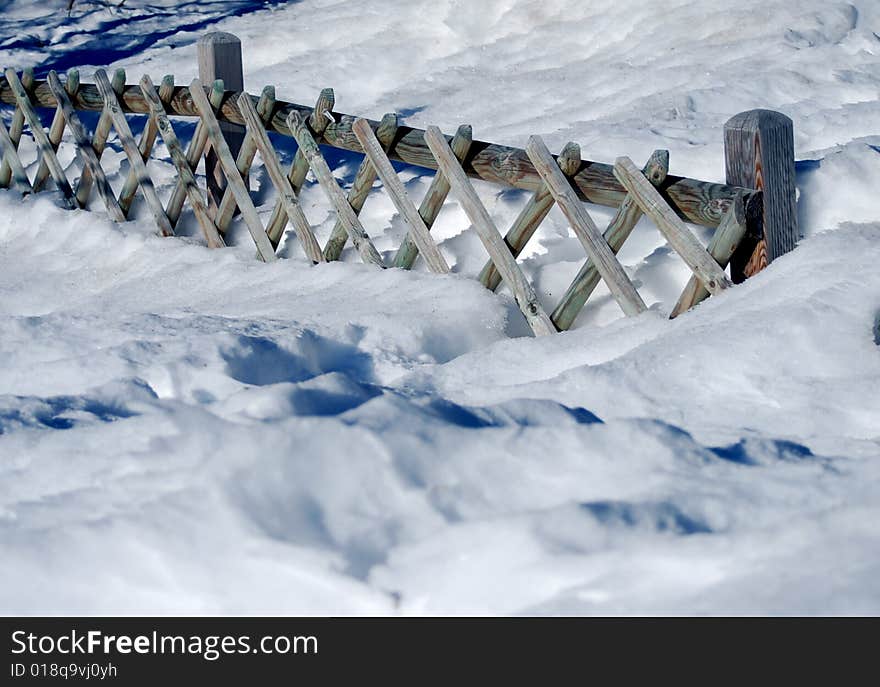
433,201
46,150
700,202
722,247
99,141
145,147
679,236
532,214
299,168
360,187
84,148
178,157
522,290
10,157
130,146
621,226
586,230
421,235
257,134
17,124
330,186
233,179
56,131
194,153
244,159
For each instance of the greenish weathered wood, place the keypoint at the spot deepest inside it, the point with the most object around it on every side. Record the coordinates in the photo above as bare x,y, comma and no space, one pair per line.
130,146
17,124
673,229
619,229
99,141
532,214
10,156
585,229
433,201
242,197
85,150
56,130
194,153
145,146
360,187
318,118
330,186
256,133
695,201
724,243
374,151
178,158
45,147
759,151
523,292
244,159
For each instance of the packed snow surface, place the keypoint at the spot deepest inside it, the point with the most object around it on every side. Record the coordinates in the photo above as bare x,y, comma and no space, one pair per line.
192,431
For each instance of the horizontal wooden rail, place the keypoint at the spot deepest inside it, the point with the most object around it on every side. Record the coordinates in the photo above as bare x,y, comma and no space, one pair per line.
699,202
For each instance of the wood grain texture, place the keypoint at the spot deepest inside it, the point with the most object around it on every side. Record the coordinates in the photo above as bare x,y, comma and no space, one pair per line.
618,231
99,140
585,229
433,201
84,149
17,124
532,214
699,202
722,247
244,159
673,229
360,187
178,158
257,134
332,190
519,286
133,153
145,146
219,56
394,187
56,130
224,155
318,118
759,151
194,152
47,152
18,174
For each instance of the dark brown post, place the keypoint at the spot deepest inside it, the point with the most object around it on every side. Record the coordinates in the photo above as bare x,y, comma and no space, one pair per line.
220,58
759,154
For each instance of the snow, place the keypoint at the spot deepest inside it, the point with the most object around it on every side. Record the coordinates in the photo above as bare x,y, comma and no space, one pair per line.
191,431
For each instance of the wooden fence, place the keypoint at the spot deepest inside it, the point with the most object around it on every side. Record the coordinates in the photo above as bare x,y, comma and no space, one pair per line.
753,214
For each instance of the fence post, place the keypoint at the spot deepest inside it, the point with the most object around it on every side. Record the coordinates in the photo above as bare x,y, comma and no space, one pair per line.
759,154
220,58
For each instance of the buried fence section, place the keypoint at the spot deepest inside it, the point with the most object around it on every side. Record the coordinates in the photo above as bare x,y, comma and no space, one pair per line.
753,213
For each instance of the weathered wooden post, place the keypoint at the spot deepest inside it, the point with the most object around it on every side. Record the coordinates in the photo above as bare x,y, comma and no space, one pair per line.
759,154
220,58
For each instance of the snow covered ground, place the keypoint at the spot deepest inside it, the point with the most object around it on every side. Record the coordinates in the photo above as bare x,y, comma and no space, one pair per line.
191,431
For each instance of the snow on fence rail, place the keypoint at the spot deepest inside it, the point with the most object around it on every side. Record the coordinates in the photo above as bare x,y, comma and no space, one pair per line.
754,214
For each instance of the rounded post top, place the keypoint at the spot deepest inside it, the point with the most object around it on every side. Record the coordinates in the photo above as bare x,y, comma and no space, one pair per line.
215,37
758,119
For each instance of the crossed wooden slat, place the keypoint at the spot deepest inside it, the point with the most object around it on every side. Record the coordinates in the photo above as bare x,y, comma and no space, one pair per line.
15,129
